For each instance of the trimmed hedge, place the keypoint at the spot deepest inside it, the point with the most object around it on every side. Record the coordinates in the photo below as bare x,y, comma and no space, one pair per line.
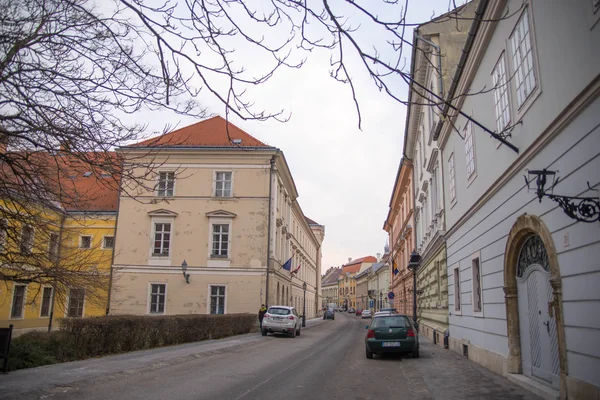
81,338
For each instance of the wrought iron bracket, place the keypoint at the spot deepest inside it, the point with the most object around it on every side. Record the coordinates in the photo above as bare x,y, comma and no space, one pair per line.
584,209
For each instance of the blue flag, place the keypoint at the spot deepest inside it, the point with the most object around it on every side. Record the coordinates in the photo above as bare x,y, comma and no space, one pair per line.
288,265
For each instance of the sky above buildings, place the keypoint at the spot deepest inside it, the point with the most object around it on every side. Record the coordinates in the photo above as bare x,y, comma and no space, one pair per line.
344,175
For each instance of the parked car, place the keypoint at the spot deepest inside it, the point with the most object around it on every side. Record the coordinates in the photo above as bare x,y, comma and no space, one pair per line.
282,319
379,313
389,309
365,314
359,311
351,310
329,314
391,333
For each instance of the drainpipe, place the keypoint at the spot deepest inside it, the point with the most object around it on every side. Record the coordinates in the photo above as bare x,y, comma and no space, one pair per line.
112,257
439,58
269,228
57,265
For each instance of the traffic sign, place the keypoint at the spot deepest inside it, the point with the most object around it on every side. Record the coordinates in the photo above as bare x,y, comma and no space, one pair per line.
391,295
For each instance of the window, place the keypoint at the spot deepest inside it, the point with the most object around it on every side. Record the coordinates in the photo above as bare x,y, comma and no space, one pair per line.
477,297
53,247
158,294
469,148
452,177
522,56
220,240
46,301
27,236
162,239
223,184
76,299
109,242
85,242
217,299
456,289
18,304
166,183
501,95
3,234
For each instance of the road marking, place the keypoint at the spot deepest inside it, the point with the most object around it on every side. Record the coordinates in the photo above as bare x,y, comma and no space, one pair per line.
247,392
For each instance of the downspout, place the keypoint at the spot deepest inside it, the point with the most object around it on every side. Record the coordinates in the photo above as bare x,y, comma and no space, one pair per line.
112,257
269,229
57,265
439,58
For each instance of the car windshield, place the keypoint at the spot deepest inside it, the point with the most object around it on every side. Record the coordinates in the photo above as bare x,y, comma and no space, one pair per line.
279,311
390,322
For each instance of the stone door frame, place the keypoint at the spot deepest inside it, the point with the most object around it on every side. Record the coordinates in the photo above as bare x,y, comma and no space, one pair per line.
525,226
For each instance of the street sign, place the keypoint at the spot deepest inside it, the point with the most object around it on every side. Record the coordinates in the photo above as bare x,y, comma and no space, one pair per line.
371,304
391,295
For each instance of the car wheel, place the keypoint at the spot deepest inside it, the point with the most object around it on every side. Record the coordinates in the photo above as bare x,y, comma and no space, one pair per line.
415,354
299,331
368,353
264,332
294,333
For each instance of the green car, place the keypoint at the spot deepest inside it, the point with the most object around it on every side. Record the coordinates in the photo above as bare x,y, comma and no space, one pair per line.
393,333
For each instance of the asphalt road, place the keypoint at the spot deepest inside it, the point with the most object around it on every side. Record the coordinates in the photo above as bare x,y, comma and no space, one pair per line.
326,362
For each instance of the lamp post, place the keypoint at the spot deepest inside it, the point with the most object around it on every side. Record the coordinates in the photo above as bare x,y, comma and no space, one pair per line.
304,306
413,265
184,269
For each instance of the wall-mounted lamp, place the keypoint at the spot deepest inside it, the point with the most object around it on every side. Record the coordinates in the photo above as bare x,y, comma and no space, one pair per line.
584,209
184,269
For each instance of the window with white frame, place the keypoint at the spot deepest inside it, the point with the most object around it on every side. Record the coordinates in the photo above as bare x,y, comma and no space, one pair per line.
452,177
85,242
108,242
76,300
18,303
162,239
469,148
3,234
223,181
158,295
220,240
477,296
53,247
217,299
46,302
501,95
457,289
166,184
522,57
27,238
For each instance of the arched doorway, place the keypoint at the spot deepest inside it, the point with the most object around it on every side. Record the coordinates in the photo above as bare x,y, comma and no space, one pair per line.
533,298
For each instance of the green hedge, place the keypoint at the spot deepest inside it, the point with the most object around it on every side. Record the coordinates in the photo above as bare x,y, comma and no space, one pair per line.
81,338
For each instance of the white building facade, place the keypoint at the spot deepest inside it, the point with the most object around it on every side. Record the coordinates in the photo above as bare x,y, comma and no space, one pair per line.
523,275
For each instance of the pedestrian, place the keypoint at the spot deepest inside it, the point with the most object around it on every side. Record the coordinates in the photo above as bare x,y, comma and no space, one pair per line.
261,314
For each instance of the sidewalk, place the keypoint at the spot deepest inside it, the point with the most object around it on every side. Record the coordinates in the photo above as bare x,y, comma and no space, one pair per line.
27,380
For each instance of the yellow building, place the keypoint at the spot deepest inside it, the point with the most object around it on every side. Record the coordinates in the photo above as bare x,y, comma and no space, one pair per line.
55,257
347,281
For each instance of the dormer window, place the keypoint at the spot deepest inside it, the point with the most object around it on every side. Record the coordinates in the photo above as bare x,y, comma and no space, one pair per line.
166,184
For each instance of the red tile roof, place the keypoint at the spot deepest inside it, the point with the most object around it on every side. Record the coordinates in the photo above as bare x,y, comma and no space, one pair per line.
211,132
354,265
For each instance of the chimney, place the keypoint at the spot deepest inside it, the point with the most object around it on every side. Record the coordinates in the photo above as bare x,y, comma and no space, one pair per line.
349,259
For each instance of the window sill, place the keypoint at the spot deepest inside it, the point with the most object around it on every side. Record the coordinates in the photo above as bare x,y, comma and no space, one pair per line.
222,197
17,318
478,314
471,178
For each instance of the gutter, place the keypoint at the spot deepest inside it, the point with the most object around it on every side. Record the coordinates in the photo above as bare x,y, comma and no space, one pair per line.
461,64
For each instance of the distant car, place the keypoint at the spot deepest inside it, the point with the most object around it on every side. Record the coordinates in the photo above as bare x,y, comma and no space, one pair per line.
389,309
359,311
365,314
391,333
282,319
351,310
378,313
329,314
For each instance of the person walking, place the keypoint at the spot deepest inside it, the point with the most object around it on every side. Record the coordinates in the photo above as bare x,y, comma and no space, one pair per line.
261,314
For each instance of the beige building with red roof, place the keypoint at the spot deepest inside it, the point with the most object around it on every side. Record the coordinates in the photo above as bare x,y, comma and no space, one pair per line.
347,281
216,205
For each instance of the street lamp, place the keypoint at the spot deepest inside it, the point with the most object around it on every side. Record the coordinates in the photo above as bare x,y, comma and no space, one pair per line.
184,269
304,306
413,265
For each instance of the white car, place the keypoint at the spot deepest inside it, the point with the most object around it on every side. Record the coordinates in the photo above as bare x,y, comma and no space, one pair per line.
378,313
281,319
365,314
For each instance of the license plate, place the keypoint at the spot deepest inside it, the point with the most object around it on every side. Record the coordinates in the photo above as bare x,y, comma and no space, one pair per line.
390,344
278,319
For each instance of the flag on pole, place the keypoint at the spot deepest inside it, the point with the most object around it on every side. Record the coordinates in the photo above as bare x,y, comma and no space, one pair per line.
395,268
287,265
296,270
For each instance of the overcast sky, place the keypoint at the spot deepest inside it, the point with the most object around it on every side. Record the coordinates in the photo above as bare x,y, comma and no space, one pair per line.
344,175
